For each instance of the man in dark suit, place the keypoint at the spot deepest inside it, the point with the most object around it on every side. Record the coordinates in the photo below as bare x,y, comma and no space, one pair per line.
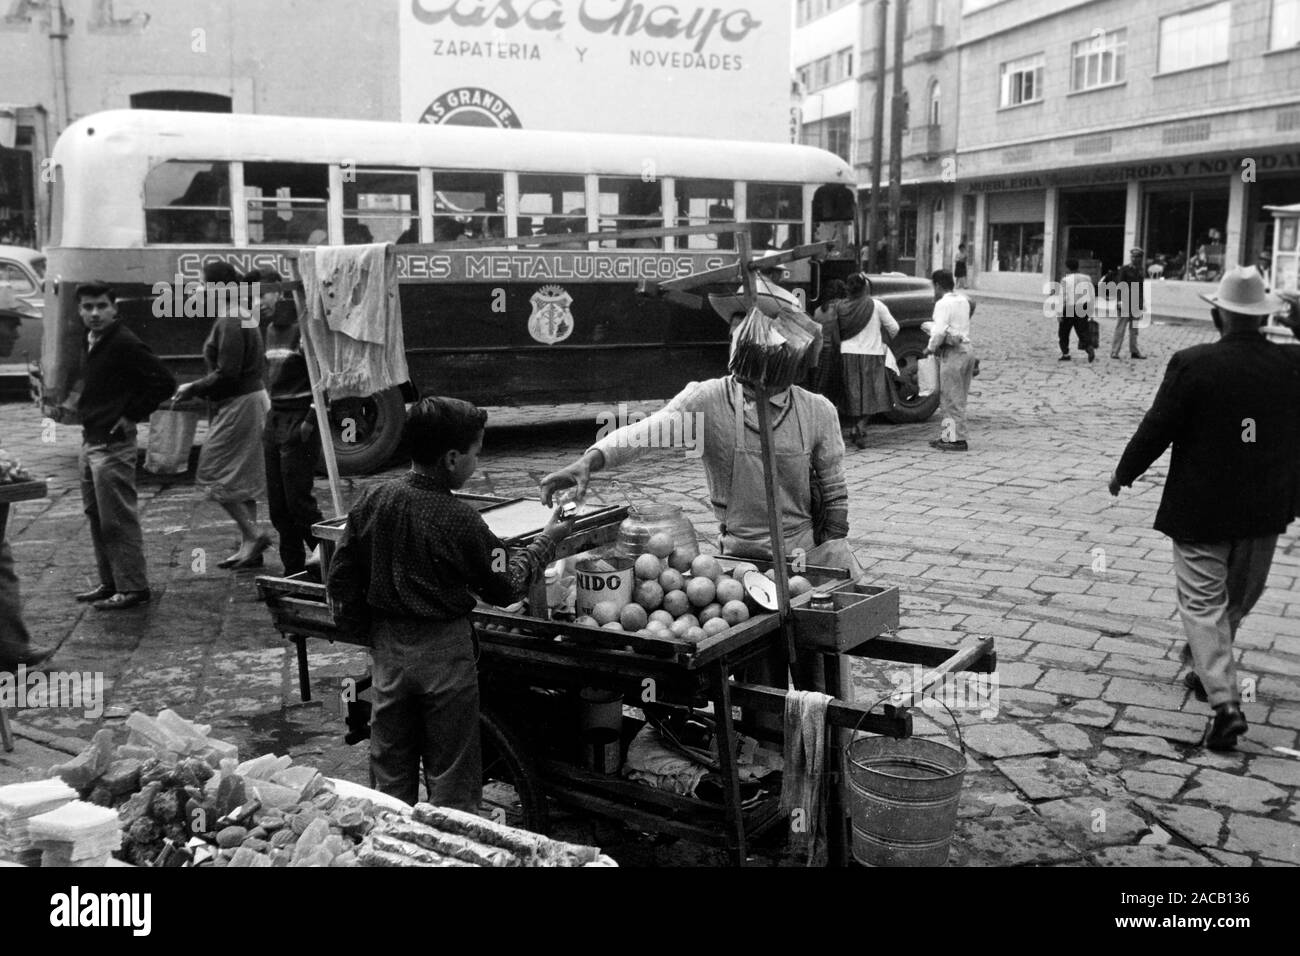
1229,410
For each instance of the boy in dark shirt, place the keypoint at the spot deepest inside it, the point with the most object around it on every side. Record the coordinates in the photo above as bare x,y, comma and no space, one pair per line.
291,441
411,561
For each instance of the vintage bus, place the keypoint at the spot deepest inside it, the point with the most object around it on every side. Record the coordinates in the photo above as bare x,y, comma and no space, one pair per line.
141,197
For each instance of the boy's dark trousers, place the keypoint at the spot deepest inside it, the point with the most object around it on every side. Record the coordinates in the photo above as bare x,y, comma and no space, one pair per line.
425,686
290,473
1079,325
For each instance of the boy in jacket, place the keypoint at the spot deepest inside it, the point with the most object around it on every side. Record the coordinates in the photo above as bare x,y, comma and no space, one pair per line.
122,383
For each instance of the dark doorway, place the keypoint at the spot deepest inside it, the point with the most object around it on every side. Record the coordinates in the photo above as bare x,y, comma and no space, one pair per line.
187,100
1092,230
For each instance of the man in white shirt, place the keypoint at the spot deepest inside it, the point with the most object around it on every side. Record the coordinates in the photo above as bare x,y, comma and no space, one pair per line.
950,341
1077,297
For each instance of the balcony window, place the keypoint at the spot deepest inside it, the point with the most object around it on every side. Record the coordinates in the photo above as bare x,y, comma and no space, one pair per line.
1284,28
1196,38
1022,81
1098,61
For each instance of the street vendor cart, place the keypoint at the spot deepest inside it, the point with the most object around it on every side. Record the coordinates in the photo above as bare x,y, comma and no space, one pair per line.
533,669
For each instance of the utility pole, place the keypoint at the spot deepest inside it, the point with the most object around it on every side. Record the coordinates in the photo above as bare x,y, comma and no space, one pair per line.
896,135
877,133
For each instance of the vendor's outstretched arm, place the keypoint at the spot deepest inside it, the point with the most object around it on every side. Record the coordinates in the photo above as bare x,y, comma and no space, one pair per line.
623,445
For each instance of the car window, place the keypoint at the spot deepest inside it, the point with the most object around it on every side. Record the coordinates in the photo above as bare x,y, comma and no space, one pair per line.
15,278
38,266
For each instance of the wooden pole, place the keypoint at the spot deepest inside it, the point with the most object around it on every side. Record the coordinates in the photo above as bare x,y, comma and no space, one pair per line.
761,397
317,393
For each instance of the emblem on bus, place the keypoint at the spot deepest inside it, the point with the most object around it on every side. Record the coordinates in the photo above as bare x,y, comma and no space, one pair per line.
551,320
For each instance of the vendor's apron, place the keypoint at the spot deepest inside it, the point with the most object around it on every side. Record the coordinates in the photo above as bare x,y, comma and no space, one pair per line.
746,533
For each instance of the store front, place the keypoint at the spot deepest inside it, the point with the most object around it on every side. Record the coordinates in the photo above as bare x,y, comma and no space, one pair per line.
1014,235
1271,189
1185,225
1091,224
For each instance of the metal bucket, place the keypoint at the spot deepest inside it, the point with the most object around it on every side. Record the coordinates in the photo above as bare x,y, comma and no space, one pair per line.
903,797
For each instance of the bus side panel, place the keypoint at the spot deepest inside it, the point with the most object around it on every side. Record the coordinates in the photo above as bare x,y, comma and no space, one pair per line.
609,344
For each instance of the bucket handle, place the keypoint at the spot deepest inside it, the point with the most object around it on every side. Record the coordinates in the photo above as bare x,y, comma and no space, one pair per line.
961,741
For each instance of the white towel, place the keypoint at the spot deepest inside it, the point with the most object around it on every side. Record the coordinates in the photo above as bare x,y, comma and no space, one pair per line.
354,318
805,763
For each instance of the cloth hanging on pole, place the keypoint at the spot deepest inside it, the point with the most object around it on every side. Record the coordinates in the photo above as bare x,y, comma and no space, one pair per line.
354,318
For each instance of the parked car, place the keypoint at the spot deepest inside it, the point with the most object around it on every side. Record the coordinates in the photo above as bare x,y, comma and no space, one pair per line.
22,273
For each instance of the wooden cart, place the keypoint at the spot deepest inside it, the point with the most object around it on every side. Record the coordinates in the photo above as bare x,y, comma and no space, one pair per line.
531,670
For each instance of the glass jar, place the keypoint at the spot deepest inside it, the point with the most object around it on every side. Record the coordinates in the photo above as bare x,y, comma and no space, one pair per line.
642,521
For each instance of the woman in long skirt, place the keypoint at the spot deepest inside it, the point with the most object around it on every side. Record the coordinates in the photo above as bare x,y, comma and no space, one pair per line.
232,469
861,319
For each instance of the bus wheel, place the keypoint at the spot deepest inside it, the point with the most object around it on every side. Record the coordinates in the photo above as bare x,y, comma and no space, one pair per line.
909,348
367,430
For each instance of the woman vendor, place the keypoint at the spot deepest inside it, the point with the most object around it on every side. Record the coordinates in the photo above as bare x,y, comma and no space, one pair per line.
811,494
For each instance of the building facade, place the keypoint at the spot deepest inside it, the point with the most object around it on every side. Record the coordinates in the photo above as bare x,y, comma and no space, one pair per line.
1089,128
837,46
588,65
1082,128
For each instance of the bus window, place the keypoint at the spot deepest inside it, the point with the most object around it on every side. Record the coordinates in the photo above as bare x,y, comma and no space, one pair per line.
700,202
381,205
187,202
776,209
834,216
557,203
468,205
287,203
630,204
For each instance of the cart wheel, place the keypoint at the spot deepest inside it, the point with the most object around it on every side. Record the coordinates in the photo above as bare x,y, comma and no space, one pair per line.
512,791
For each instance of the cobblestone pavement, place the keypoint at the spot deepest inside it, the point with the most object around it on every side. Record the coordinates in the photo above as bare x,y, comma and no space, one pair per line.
1092,756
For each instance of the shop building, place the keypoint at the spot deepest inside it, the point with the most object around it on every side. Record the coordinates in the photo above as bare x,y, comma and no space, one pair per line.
1037,130
1088,128
836,47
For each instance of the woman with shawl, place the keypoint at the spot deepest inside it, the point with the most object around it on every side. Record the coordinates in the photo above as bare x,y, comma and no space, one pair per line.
860,319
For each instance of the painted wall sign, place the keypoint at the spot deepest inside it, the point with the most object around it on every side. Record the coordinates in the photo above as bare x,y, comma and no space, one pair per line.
1143,172
619,66
471,106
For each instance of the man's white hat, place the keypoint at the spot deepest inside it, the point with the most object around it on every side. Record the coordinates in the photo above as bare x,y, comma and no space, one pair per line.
1242,291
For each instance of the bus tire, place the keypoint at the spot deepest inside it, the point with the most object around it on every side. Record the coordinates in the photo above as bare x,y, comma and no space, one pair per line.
909,347
375,426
